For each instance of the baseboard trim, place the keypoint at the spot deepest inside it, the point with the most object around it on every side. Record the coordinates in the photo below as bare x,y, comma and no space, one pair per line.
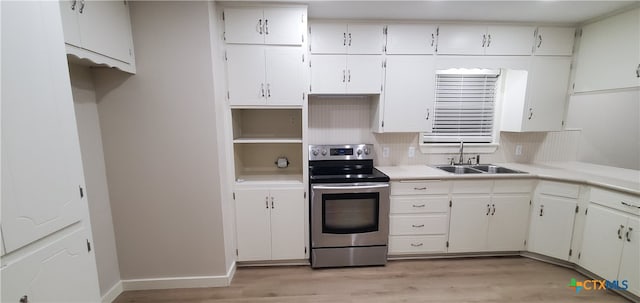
181,282
112,293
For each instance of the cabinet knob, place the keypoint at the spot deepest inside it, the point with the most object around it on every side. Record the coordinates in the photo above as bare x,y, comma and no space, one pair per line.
628,234
539,40
620,232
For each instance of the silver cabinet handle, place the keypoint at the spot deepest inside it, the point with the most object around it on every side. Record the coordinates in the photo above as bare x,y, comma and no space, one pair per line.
428,114
530,113
417,244
349,39
272,207
541,210
420,188
488,209
81,10
24,299
484,40
349,76
627,235
344,39
620,231
260,26
262,88
73,5
266,26
418,206
629,204
268,90
418,226
539,40
344,76
493,212
489,40
433,39
266,202
638,71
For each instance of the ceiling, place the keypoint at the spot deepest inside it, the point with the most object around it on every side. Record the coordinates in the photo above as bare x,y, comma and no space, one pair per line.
549,11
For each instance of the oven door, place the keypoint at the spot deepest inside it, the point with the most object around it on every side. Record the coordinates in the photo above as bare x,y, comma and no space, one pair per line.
349,214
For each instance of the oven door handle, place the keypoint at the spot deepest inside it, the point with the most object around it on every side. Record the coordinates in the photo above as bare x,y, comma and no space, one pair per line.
349,186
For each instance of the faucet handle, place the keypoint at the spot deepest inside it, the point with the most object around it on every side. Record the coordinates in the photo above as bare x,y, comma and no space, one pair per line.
451,160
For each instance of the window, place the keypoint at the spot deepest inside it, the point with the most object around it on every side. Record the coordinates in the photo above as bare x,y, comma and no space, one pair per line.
464,106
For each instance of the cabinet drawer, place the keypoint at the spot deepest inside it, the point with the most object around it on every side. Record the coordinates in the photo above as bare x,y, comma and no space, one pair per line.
419,204
418,225
559,189
417,244
616,200
513,186
419,187
472,187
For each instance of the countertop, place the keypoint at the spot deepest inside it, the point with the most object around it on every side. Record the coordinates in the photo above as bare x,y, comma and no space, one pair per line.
619,179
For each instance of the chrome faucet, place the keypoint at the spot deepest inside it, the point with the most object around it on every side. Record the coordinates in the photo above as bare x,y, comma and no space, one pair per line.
461,151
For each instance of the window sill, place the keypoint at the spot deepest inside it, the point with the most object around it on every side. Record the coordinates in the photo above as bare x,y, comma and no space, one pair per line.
452,148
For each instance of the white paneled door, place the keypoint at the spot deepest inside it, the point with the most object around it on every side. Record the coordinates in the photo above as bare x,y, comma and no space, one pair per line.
253,224
551,227
364,74
469,223
287,224
508,223
246,75
328,74
284,76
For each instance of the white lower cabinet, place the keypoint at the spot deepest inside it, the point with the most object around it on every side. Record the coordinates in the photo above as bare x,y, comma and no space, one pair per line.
552,218
419,220
508,222
57,272
611,245
469,223
270,224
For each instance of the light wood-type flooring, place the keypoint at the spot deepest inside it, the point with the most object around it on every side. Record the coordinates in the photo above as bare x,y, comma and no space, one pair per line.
499,279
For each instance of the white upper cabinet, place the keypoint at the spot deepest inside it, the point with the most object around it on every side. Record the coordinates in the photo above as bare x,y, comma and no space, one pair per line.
411,39
340,38
257,75
609,54
351,74
409,94
481,40
554,41
535,100
41,163
276,26
99,31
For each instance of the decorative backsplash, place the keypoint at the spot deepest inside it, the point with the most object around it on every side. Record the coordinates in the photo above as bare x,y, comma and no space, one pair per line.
340,120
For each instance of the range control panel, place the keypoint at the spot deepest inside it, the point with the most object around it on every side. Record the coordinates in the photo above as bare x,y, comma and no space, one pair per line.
341,152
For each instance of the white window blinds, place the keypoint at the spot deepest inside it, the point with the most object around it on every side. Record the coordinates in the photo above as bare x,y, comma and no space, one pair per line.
464,106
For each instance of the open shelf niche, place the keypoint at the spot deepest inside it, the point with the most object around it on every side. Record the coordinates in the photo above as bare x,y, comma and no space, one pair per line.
267,125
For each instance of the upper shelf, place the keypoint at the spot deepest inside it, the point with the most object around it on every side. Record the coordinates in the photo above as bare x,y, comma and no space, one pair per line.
267,140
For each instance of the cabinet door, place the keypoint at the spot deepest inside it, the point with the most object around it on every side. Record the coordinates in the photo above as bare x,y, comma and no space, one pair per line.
284,76
68,12
547,92
63,271
630,262
365,39
509,40
246,75
328,38
462,39
609,54
41,163
328,74
603,241
244,25
508,222
409,93
411,39
283,26
287,224
554,41
551,226
364,74
105,28
469,223
253,226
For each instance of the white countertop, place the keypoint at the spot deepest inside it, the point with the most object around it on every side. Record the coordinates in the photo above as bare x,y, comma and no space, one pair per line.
620,179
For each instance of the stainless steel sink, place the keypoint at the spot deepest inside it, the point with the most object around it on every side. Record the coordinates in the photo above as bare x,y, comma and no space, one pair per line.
459,169
494,169
478,169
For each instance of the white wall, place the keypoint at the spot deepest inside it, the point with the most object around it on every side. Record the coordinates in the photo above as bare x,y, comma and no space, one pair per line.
610,125
161,147
97,191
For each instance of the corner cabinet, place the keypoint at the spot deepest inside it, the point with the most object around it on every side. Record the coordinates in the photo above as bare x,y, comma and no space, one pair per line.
45,222
99,31
272,26
270,223
609,54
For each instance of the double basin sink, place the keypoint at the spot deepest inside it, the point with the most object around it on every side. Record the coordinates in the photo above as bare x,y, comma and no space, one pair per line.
478,169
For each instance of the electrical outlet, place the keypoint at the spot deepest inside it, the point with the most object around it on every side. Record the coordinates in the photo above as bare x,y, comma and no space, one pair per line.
385,152
412,151
518,149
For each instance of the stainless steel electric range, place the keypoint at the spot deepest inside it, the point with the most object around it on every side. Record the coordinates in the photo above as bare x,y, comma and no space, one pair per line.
349,206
